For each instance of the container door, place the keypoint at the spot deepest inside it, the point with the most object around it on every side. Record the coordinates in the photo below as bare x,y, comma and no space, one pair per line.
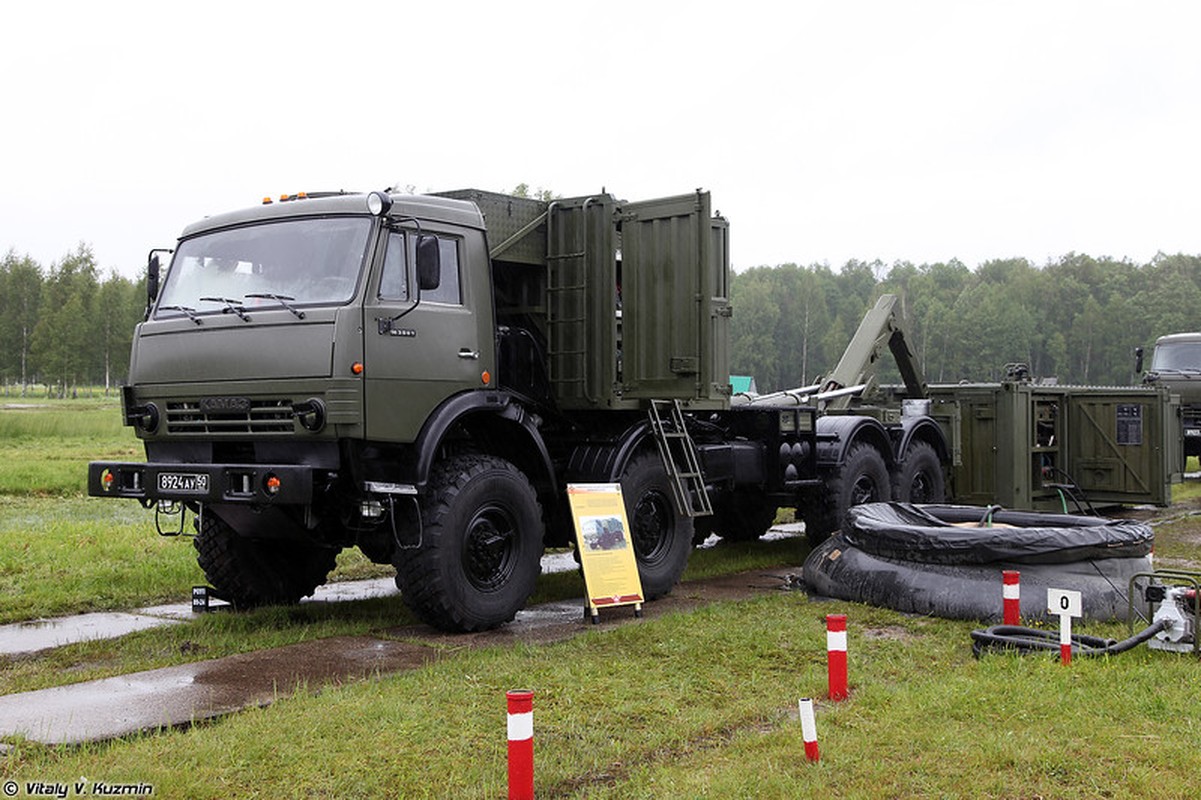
1116,449
673,304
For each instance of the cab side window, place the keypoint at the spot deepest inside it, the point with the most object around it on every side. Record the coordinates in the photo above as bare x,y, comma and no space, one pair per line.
448,290
394,283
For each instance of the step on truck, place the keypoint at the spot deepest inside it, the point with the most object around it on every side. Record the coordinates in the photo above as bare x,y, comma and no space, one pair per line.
421,377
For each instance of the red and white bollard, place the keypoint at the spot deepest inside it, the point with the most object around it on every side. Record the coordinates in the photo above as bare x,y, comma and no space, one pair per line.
521,745
809,729
836,655
1011,593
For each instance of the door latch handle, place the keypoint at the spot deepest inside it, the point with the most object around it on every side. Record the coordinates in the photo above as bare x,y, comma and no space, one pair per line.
465,353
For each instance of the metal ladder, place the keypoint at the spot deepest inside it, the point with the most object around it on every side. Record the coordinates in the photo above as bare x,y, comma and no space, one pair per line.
680,459
567,366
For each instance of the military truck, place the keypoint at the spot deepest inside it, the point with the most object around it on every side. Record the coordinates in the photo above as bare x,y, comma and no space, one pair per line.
1176,364
422,376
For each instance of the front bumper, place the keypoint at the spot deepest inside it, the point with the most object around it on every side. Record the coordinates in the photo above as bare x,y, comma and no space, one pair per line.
256,484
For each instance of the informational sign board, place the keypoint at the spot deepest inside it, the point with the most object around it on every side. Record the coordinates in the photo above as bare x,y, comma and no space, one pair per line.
605,547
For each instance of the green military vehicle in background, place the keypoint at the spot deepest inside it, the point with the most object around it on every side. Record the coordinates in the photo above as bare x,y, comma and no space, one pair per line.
1176,364
1021,443
423,376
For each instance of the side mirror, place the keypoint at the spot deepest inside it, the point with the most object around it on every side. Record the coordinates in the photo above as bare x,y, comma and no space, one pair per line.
1138,359
153,270
429,263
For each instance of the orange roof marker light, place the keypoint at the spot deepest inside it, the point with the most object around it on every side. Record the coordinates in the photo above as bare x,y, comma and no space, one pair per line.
285,198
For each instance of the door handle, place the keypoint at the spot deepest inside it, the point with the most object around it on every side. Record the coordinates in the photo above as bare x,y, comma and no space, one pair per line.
465,353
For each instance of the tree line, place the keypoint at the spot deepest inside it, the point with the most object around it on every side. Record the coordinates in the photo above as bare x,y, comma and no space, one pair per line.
1076,319
65,326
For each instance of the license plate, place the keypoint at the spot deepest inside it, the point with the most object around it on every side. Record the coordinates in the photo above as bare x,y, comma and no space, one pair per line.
186,482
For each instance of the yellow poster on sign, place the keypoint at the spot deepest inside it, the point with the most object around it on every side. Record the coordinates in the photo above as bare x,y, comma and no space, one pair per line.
605,547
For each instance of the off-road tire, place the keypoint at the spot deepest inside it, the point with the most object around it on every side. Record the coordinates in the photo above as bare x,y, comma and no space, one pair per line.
481,546
662,536
862,478
258,572
919,478
743,516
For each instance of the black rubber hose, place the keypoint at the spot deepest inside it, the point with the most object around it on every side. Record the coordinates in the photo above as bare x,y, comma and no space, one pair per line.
1029,640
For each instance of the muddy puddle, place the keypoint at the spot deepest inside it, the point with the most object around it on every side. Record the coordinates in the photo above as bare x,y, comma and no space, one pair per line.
181,695
23,638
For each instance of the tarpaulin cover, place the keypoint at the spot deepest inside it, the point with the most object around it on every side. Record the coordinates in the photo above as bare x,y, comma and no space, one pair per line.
966,591
929,534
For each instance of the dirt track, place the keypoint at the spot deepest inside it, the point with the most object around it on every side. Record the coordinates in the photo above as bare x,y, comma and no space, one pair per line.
180,695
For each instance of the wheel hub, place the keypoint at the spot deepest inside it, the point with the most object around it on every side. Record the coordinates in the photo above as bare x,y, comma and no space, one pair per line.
488,550
652,519
920,490
864,491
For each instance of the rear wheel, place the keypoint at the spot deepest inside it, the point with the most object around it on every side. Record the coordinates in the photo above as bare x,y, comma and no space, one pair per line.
481,546
919,479
862,478
662,535
257,572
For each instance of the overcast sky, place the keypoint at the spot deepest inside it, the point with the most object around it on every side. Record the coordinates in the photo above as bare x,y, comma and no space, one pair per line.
917,131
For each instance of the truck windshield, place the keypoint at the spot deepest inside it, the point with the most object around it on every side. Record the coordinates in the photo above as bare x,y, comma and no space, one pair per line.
1176,357
301,261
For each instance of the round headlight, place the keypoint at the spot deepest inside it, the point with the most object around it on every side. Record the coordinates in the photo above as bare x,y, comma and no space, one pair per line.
148,419
378,203
310,414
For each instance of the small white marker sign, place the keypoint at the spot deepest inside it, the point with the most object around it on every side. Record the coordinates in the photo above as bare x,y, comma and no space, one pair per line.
1064,602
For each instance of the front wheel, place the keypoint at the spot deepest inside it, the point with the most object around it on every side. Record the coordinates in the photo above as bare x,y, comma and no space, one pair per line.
481,546
662,535
258,572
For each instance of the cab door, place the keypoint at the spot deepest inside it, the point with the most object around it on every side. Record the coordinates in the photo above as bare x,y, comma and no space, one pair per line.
421,347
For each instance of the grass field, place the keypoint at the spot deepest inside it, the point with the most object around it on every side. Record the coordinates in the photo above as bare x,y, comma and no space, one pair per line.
699,704
62,552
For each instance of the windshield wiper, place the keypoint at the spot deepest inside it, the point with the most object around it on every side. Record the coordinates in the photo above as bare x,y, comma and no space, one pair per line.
191,312
231,306
282,299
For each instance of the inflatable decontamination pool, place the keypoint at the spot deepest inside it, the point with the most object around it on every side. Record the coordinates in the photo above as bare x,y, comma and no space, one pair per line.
947,561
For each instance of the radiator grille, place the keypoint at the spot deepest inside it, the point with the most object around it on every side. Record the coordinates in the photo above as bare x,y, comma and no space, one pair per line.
264,416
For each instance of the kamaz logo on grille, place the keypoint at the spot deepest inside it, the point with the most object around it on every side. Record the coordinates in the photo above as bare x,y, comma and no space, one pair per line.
225,405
